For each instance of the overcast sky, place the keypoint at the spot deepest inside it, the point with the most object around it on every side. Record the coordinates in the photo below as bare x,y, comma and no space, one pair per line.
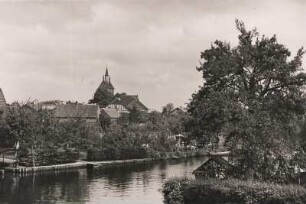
59,49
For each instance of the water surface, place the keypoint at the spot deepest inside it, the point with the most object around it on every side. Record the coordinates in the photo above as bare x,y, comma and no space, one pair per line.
132,184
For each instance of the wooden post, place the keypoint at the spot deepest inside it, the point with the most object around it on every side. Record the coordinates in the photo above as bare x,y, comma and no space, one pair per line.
33,159
17,148
16,158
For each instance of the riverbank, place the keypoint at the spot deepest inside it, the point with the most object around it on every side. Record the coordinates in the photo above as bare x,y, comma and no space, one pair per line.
102,164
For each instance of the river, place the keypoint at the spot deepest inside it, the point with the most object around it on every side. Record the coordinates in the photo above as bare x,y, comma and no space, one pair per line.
131,184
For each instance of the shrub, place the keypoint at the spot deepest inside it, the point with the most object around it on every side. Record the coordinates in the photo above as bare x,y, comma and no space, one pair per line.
112,153
50,156
2,165
212,191
133,153
173,190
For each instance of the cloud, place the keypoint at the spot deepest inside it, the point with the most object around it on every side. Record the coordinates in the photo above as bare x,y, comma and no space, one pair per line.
58,49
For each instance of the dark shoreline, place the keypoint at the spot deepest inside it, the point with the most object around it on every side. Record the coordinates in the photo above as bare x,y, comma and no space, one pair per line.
99,164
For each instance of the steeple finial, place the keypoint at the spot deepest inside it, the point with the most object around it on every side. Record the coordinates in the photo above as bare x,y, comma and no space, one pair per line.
106,71
106,76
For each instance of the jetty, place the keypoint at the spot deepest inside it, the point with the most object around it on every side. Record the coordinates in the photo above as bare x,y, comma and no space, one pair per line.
76,165
23,169
101,164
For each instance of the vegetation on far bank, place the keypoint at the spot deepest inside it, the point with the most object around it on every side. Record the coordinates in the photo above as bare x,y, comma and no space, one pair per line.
45,140
138,135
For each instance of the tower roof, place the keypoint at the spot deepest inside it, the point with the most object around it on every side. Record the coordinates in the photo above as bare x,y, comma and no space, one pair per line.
106,71
2,101
106,85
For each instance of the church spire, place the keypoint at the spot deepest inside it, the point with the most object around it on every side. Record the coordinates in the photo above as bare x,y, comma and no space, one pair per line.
106,71
106,77
106,84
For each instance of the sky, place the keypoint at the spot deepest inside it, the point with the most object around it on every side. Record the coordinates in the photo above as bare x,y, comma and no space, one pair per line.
58,49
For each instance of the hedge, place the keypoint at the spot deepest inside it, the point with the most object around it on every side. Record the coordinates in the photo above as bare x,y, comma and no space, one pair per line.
211,191
112,153
46,157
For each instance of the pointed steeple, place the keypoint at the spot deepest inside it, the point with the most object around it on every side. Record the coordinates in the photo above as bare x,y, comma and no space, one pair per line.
106,83
106,76
106,71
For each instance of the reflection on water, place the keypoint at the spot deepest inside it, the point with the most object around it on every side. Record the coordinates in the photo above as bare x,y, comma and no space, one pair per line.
66,186
139,183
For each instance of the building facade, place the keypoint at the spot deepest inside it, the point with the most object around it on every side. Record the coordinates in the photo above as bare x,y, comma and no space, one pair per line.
2,104
124,103
49,105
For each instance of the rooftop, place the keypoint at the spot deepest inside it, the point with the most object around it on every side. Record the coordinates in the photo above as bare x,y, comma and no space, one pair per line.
111,113
2,101
129,101
76,111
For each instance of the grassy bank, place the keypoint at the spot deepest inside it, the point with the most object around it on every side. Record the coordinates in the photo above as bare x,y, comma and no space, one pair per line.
211,191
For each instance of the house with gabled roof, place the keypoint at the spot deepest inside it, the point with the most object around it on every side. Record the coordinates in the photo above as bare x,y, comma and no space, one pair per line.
215,165
178,111
112,114
125,103
77,111
2,103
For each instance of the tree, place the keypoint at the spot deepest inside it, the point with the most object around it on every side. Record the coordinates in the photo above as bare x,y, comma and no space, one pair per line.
102,97
44,139
253,95
6,140
167,109
134,115
27,125
176,123
155,118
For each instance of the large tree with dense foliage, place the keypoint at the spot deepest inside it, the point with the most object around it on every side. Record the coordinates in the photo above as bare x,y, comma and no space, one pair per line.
101,97
253,95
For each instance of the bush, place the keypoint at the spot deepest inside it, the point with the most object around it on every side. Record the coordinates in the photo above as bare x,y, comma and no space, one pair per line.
173,190
109,153
112,153
50,156
133,153
212,191
3,165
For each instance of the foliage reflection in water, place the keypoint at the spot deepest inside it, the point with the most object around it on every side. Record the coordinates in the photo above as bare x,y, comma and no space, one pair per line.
140,183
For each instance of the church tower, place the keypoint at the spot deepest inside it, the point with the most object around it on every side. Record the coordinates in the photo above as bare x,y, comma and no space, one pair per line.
106,83
107,77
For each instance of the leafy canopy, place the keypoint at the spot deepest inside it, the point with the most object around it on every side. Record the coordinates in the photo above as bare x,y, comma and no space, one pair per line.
101,97
253,95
